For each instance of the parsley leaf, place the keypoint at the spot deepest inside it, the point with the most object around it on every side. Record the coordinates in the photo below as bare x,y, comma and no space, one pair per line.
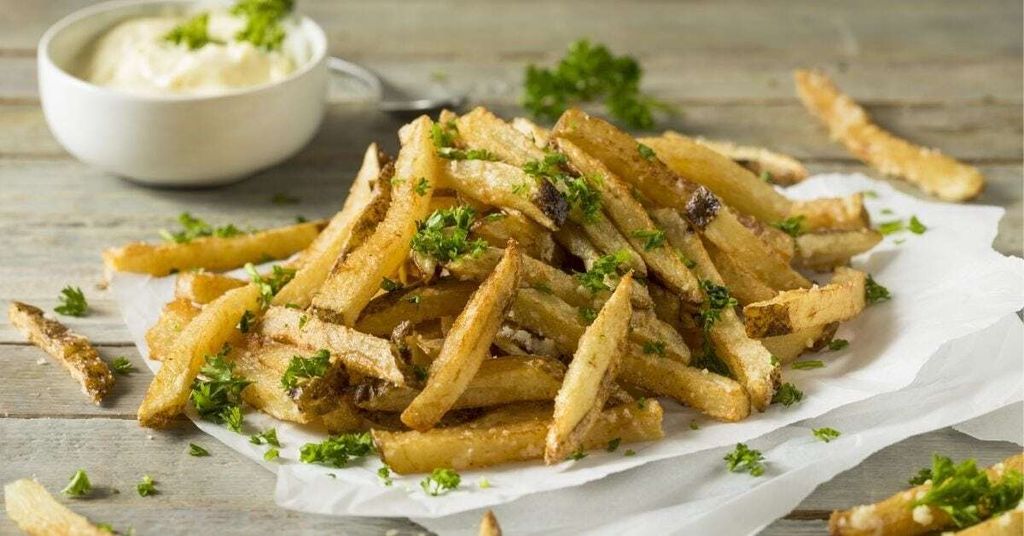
78,486
443,135
147,487
838,344
122,366
646,152
271,454
217,392
629,452
586,73
336,451
578,191
613,445
745,459
577,455
246,322
263,17
966,494
268,436
922,476
653,239
301,369
72,302
916,226
792,226
787,395
808,364
390,285
384,473
422,187
197,451
270,284
440,481
874,293
594,278
484,483
718,299
890,227
654,347
193,228
192,33
826,434
444,235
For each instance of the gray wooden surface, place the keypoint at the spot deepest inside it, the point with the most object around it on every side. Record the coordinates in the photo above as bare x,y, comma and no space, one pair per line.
947,74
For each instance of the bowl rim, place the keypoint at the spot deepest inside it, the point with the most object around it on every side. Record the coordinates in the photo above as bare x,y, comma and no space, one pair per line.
45,60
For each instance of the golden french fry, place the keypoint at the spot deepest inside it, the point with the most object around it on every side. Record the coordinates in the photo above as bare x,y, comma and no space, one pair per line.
896,515
792,310
774,167
827,250
263,365
353,283
657,337
176,315
504,185
500,227
537,133
68,348
716,396
467,343
37,513
168,393
212,253
596,239
481,129
743,284
847,122
500,380
417,304
507,440
590,375
360,352
204,287
344,419
489,525
786,348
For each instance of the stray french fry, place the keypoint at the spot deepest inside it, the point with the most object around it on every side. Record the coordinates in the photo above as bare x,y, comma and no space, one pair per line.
68,348
467,343
37,513
212,253
175,316
792,310
827,250
489,525
417,304
590,376
928,169
774,167
169,391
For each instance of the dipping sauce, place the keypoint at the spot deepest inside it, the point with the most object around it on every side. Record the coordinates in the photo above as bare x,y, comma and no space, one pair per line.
142,55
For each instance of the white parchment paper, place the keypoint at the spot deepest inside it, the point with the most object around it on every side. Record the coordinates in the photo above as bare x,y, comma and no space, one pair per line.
947,284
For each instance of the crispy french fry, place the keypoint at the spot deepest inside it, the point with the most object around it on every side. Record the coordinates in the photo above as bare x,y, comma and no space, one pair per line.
500,380
895,515
621,154
168,393
743,285
467,343
1006,524
204,287
827,250
590,376
68,348
532,130
481,129
212,253
504,185
175,316
506,440
416,304
353,284
632,220
719,225
847,122
774,167
360,352
657,337
792,310
716,396
37,513
786,348
500,227
489,525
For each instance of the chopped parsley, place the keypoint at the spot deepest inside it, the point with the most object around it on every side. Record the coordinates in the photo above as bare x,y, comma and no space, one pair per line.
792,226
718,299
217,391
694,425
282,198
613,445
271,454
270,284
578,191
826,434
192,228
197,451
268,436
444,235
745,459
420,372
146,487
922,476
440,481
577,455
646,152
78,486
589,72
336,451
389,285
808,364
838,344
192,33
422,186
302,320
641,402
484,483
767,176
302,369
246,322
263,21
72,302
629,452
653,239
915,226
443,135
122,366
594,278
874,293
385,475
587,314
654,347
890,227
787,395
966,493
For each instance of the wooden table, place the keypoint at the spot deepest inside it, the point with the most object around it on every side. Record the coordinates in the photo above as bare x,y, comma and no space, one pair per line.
946,74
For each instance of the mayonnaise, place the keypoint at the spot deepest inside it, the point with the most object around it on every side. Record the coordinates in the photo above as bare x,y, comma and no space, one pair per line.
135,56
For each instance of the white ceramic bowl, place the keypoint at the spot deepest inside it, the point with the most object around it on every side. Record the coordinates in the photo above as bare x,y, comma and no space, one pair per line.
175,140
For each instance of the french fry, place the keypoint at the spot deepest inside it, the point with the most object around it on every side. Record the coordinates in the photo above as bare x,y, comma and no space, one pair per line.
481,129
489,525
657,337
176,315
776,168
825,251
500,227
213,253
928,169
471,446
263,365
204,287
832,213
895,515
620,153
716,396
579,240
786,348
504,185
168,393
37,513
719,225
590,376
743,285
360,352
344,419
500,381
792,310
68,348
667,306
417,304
467,343
632,221
537,133
353,284
1006,524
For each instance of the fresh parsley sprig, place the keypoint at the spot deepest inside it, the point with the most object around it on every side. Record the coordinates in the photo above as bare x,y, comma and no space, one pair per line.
787,395
338,450
440,481
79,485
745,459
301,369
826,434
604,267
192,228
875,293
192,33
122,365
270,284
146,487
263,21
444,235
72,302
217,391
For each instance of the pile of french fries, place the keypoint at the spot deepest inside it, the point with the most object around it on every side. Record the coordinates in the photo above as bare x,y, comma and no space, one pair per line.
592,273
